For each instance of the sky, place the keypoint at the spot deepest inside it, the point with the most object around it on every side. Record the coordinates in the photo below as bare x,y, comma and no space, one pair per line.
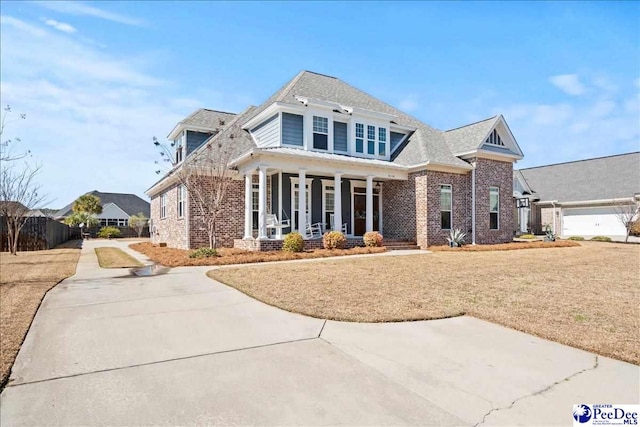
98,80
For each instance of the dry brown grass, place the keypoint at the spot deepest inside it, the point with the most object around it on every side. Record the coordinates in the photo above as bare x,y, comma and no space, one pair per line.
24,279
507,246
586,296
172,257
115,258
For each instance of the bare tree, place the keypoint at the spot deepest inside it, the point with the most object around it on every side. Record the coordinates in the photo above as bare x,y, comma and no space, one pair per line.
6,146
627,213
19,194
206,176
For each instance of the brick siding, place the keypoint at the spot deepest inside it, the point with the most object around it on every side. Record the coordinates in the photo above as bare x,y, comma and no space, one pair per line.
170,230
461,205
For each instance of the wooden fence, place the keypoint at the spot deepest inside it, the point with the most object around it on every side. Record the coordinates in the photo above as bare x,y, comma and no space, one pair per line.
38,233
76,232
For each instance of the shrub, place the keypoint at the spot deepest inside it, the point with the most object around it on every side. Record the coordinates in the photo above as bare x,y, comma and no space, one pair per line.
579,238
109,232
456,238
203,253
293,242
635,228
372,238
528,236
601,239
334,240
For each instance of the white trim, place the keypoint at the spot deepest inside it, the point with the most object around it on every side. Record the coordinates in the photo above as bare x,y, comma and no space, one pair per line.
440,167
163,205
180,190
327,183
491,155
294,208
451,207
587,202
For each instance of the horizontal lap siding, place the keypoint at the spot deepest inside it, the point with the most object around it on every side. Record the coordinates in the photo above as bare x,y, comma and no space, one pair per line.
195,140
292,129
267,134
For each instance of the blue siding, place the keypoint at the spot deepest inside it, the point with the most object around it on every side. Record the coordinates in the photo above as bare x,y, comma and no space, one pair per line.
395,139
195,140
339,136
292,129
267,133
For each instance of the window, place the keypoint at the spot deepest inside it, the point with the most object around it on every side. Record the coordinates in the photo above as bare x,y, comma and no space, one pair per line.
255,200
359,138
295,196
163,205
445,207
181,192
320,133
179,150
328,201
371,140
494,139
494,208
382,141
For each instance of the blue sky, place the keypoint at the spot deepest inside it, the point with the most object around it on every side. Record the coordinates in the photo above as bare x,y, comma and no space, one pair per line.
98,80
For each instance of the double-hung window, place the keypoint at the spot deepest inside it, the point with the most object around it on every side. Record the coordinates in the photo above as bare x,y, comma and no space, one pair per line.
359,138
181,192
494,208
446,205
328,202
255,200
178,142
371,140
382,141
163,205
320,133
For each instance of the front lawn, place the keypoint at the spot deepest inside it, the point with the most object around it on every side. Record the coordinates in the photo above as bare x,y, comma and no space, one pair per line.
586,296
172,257
24,280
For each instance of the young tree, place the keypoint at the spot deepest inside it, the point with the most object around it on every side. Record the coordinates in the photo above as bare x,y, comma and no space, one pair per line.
206,176
88,203
6,146
85,218
626,214
138,222
19,194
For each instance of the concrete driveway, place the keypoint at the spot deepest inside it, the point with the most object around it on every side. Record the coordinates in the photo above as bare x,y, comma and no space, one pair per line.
107,348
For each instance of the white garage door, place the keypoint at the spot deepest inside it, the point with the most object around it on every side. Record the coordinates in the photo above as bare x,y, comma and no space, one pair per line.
591,222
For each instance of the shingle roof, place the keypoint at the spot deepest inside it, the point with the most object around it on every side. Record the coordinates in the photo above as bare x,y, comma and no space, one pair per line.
206,118
593,179
469,137
130,203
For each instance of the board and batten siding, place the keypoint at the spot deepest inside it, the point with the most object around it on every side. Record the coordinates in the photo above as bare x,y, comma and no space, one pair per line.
195,140
292,129
267,133
339,136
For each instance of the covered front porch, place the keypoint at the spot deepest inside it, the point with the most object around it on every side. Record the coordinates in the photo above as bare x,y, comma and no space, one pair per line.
336,197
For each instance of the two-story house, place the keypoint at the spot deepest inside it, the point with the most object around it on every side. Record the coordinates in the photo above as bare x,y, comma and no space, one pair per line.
320,151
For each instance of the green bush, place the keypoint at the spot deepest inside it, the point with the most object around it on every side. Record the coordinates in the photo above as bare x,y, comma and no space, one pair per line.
109,232
372,238
601,239
527,236
203,253
293,242
578,238
334,240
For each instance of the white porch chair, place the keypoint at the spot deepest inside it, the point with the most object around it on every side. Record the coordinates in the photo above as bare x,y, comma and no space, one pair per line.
331,221
274,224
312,231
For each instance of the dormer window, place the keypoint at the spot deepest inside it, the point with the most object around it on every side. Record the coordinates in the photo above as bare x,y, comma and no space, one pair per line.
494,139
320,133
359,138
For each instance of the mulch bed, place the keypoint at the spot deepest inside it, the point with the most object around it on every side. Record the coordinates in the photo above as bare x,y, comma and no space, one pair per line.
172,257
507,246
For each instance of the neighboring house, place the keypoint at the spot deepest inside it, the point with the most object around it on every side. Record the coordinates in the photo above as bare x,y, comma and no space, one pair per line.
116,208
578,198
362,164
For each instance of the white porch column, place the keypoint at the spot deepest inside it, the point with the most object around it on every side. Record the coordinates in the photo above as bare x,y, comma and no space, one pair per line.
248,206
302,201
369,198
262,202
337,202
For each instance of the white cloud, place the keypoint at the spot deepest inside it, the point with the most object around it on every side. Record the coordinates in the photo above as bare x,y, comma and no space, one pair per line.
60,26
409,103
568,83
81,9
90,115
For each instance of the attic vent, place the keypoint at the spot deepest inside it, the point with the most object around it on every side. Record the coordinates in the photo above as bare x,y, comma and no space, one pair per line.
494,139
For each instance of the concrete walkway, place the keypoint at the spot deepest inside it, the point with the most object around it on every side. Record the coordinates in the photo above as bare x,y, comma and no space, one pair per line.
107,348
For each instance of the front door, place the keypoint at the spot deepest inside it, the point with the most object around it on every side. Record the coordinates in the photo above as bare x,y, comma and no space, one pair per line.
360,214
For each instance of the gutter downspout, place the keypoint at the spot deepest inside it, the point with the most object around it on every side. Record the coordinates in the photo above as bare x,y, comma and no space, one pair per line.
473,203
